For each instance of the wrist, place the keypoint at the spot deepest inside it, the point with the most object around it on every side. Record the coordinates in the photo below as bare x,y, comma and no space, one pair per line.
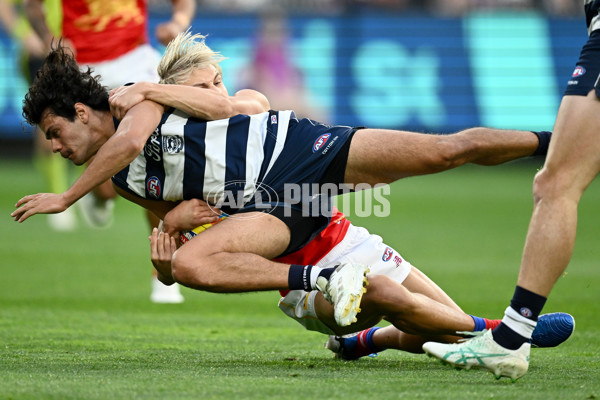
69,198
151,91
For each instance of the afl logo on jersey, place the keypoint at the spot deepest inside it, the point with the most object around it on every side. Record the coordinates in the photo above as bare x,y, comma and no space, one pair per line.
579,70
153,187
387,254
321,140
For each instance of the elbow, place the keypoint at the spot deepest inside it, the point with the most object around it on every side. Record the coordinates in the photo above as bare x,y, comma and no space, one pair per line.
133,146
130,143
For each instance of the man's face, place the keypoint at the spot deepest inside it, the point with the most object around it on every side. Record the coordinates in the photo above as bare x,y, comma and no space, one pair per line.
208,78
70,139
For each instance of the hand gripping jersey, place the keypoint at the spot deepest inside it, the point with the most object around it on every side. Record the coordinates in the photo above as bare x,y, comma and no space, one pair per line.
234,162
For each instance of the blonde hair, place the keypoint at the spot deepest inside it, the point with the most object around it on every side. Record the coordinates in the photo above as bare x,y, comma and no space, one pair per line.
185,54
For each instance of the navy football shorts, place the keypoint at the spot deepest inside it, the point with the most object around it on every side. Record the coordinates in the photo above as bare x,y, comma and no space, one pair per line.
587,71
314,154
310,149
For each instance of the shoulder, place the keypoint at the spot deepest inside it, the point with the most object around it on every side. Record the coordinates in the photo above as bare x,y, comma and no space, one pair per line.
255,96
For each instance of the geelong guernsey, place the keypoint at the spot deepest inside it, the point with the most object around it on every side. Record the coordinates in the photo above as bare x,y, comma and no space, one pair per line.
222,160
246,162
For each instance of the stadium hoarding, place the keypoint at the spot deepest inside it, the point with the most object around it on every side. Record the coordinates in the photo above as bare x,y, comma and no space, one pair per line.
412,72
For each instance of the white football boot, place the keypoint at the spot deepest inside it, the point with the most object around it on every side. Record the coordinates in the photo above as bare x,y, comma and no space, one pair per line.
482,352
344,289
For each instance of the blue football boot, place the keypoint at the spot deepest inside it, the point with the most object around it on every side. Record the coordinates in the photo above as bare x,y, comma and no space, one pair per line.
552,329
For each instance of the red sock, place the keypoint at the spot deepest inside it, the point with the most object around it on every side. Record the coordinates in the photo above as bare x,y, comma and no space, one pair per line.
491,323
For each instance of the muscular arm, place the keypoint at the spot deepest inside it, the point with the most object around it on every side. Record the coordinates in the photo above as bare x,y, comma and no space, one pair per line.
198,102
118,151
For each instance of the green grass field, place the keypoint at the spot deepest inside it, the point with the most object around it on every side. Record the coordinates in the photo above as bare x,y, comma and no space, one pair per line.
76,321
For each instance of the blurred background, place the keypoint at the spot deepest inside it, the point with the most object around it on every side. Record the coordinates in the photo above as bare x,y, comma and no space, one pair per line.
431,66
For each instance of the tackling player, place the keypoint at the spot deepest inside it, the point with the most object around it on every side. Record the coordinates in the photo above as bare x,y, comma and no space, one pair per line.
418,309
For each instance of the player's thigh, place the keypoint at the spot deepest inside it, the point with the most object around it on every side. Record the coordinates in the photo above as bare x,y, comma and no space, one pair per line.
574,155
418,282
383,156
253,232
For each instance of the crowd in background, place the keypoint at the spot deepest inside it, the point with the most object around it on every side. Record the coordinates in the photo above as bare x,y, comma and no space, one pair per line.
440,8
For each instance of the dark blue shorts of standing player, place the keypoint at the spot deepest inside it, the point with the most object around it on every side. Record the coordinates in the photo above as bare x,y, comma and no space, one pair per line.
587,71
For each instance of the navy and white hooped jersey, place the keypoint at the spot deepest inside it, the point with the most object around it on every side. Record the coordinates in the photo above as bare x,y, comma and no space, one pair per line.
187,158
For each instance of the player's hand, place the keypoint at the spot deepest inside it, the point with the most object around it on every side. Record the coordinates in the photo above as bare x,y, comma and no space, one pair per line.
162,247
167,31
41,203
188,215
122,98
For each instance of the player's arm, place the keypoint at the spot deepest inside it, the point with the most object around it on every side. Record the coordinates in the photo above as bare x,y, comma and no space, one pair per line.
189,214
181,18
199,102
114,155
186,215
36,14
162,247
119,150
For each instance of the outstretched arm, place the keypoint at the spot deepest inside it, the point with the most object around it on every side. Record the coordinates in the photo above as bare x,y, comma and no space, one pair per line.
181,17
114,155
198,102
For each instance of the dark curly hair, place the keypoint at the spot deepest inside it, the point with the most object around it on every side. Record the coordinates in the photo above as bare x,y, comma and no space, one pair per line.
59,84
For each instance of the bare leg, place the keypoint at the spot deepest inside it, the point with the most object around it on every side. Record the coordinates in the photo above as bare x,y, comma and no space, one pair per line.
219,261
384,156
572,163
416,317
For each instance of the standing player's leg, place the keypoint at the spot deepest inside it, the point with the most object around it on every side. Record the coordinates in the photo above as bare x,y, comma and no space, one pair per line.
572,163
550,239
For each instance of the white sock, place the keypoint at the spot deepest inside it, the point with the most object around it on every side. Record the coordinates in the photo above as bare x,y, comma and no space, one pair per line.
518,323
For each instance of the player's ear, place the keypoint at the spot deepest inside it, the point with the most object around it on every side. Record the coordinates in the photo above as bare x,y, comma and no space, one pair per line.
81,112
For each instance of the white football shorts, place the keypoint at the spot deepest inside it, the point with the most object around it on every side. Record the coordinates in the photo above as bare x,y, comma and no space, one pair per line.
137,65
360,247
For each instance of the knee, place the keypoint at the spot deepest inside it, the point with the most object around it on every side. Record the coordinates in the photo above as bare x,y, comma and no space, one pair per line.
549,186
387,295
190,271
180,267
